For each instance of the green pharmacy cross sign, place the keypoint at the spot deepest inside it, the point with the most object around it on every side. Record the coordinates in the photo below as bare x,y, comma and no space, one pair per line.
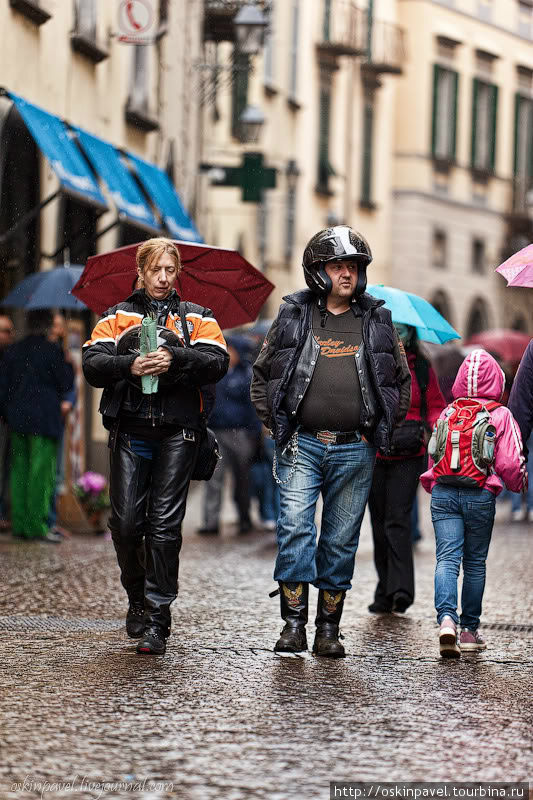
251,176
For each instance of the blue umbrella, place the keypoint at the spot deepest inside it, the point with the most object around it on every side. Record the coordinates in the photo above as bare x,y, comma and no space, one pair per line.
410,309
47,289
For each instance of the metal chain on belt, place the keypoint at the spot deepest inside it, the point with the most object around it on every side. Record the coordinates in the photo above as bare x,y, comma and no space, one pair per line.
291,448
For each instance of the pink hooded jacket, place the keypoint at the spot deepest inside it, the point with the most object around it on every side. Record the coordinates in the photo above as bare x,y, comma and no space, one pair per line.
480,376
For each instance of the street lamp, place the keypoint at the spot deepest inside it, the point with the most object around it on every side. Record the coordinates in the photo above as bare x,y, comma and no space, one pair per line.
292,173
251,122
249,26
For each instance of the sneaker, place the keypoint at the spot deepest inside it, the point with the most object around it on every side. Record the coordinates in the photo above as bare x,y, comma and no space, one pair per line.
517,516
135,620
208,531
152,643
269,525
53,537
448,638
471,641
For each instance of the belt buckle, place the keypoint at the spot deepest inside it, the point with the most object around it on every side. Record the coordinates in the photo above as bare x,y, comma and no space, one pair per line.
188,436
326,437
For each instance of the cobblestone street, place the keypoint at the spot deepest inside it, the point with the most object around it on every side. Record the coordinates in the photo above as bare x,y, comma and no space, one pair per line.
221,716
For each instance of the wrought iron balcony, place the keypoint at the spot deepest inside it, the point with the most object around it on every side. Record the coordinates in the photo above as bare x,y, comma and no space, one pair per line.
219,16
387,52
343,29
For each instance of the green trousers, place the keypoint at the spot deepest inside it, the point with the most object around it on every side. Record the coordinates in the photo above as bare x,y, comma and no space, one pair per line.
32,479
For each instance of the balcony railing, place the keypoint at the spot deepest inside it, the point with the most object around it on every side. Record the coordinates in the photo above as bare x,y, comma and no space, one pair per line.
219,16
343,29
387,48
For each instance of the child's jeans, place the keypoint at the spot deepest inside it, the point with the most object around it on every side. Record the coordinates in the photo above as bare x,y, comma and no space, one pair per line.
463,521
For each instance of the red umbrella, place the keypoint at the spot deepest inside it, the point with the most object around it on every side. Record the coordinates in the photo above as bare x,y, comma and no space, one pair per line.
220,279
508,344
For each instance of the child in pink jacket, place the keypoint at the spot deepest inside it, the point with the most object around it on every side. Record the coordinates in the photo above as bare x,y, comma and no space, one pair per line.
463,517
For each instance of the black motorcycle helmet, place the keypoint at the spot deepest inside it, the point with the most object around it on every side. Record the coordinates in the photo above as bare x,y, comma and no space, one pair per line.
339,243
129,343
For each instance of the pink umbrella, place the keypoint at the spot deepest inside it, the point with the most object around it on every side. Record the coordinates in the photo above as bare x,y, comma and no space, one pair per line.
518,269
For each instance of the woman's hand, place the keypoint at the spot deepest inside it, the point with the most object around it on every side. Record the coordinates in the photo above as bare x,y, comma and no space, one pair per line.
155,363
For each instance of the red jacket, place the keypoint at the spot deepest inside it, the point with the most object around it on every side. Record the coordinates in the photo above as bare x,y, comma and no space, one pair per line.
435,402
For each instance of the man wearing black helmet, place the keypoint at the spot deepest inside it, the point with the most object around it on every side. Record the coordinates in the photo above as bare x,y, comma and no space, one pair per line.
331,382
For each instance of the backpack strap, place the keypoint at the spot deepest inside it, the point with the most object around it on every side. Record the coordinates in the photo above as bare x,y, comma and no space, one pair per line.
492,405
421,370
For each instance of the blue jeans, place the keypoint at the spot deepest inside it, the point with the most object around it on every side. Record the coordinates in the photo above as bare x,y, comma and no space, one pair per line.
463,521
343,474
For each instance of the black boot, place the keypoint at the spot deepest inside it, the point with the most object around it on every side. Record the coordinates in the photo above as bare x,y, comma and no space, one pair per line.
328,616
153,642
135,619
294,599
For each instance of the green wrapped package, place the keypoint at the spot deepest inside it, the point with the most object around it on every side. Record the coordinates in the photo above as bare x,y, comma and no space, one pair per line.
147,345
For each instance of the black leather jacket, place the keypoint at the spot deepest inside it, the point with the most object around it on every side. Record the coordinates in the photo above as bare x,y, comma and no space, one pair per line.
179,401
285,366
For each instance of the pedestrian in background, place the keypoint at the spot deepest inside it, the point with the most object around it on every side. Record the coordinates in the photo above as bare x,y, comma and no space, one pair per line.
395,482
33,379
464,479
522,502
7,337
331,382
521,406
154,438
57,336
237,429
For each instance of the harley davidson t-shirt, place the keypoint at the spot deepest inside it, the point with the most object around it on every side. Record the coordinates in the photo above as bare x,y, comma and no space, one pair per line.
333,399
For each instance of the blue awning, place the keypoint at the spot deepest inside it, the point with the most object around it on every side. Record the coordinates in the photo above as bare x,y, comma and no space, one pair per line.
164,196
52,137
124,191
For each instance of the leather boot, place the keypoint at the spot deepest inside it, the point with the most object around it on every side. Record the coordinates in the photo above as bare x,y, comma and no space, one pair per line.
135,618
294,601
328,616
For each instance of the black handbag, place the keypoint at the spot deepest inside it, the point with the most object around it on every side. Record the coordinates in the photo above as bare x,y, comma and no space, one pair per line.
208,449
208,456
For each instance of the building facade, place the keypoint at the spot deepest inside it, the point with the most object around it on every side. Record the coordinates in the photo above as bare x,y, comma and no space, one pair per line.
463,158
409,119
78,106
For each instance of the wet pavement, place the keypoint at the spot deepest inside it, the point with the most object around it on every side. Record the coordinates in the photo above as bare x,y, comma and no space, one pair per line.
220,715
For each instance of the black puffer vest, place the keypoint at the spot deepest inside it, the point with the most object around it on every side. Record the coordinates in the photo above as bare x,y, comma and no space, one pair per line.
296,353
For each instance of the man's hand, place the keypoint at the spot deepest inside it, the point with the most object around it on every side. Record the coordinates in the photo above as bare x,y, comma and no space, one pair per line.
66,408
152,363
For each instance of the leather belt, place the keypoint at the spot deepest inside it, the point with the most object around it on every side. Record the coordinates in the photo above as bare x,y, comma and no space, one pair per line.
336,437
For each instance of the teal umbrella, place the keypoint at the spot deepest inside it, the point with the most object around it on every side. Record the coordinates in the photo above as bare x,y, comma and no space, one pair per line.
410,309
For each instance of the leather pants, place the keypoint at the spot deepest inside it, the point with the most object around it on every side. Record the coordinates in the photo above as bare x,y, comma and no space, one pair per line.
148,500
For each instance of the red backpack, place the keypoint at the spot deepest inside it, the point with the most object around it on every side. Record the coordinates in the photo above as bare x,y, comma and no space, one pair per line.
462,443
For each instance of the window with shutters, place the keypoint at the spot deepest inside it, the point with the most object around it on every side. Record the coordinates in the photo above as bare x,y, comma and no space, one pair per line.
324,168
293,55
478,255
438,248
484,124
269,52
523,137
444,120
85,17
239,91
83,38
137,107
367,149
